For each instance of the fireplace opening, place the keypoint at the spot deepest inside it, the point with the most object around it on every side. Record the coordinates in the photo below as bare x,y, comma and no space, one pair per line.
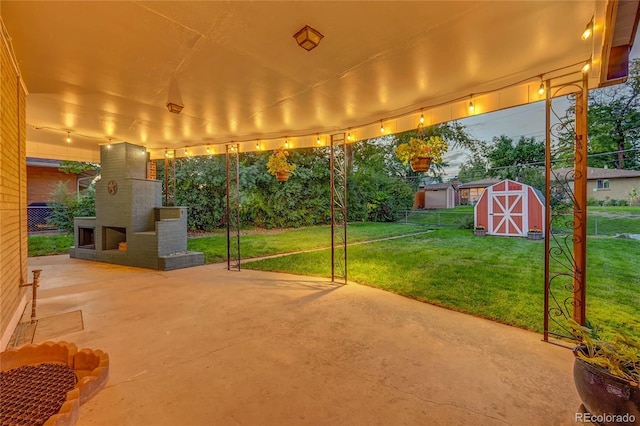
112,236
86,238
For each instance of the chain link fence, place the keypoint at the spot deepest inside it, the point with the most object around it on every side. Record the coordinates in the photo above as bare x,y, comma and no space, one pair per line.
37,219
600,223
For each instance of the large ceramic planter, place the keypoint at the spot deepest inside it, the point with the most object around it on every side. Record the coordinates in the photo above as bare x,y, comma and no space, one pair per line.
283,176
421,164
610,399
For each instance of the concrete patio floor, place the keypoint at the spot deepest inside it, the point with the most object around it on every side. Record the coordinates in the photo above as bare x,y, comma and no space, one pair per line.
205,346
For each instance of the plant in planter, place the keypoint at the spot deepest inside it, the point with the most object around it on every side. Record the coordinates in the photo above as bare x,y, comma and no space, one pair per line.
420,152
279,166
607,376
534,233
480,231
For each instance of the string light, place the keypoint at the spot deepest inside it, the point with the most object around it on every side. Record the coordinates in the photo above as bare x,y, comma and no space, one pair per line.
109,144
258,145
166,153
541,88
286,143
381,127
68,137
349,136
208,150
586,67
318,138
421,118
186,152
471,106
588,31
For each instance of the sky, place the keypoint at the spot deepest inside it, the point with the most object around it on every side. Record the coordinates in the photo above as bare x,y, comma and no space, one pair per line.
527,120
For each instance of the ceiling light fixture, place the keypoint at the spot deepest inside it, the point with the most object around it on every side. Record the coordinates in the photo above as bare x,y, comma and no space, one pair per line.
471,106
109,144
308,38
349,136
381,127
208,150
421,118
174,108
587,66
68,137
286,143
258,145
588,31
186,152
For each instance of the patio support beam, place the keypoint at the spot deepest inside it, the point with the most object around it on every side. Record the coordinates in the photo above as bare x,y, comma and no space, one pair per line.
580,205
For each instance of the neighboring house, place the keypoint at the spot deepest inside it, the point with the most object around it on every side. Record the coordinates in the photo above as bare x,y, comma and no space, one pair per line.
470,192
606,184
437,196
42,177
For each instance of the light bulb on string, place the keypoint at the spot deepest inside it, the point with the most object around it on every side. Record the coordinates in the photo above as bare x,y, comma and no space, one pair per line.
349,136
541,88
286,143
471,106
68,137
588,31
208,150
586,67
421,118
381,127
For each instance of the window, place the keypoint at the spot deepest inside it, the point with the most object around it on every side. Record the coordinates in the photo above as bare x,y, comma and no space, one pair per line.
603,183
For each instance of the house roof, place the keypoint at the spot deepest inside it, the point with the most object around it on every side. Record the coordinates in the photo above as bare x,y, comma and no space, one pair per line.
107,69
597,173
483,183
438,186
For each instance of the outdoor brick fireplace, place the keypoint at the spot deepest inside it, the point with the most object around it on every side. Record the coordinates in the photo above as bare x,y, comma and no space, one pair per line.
131,227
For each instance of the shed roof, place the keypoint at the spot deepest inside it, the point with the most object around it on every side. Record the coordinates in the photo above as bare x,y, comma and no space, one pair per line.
482,183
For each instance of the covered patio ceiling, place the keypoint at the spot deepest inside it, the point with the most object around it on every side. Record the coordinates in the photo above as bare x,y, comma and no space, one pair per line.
104,71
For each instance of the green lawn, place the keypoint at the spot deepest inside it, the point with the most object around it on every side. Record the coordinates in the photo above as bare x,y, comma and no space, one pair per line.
43,245
497,278
265,243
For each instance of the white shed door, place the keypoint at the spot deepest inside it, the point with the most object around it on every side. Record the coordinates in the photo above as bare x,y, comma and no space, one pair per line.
507,212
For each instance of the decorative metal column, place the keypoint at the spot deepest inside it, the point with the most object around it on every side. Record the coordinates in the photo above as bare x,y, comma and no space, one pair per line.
233,206
566,213
338,166
170,178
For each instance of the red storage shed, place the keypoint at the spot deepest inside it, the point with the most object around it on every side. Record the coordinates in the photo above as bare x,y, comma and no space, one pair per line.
510,208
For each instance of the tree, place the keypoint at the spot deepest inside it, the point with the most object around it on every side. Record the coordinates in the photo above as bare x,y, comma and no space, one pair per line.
77,167
66,205
613,124
521,162
475,168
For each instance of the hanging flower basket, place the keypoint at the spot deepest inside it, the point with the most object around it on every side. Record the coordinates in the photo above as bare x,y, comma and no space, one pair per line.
279,166
283,176
421,151
421,164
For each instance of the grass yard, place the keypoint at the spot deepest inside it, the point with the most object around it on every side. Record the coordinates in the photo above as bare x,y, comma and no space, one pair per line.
497,278
265,243
43,245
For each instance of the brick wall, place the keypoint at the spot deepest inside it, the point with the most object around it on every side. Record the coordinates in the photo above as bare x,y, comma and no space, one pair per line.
42,180
13,195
